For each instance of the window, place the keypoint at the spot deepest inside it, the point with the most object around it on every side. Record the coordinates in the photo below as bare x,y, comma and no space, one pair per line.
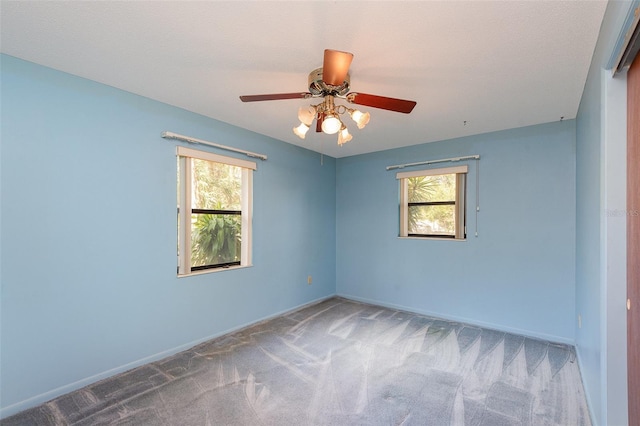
432,203
214,211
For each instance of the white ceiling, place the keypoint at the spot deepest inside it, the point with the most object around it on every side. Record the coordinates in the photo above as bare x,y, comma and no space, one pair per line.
494,64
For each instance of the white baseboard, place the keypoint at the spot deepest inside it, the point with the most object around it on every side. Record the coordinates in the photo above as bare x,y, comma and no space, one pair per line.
498,327
54,393
587,394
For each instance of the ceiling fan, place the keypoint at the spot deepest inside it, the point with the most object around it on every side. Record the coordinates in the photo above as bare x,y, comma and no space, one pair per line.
330,82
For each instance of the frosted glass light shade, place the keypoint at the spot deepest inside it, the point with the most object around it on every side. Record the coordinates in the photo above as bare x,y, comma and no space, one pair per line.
306,115
344,136
301,130
331,124
361,118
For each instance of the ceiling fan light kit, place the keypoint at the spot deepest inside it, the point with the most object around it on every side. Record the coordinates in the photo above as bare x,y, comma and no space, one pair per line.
301,130
361,118
330,82
307,115
344,136
331,124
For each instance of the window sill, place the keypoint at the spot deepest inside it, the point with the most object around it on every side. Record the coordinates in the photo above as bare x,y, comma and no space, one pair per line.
433,239
213,270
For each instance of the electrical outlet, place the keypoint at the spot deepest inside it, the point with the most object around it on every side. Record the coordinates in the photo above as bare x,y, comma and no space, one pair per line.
579,321
309,280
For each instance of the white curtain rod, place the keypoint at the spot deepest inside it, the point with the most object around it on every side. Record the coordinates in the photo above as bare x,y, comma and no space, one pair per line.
171,135
423,163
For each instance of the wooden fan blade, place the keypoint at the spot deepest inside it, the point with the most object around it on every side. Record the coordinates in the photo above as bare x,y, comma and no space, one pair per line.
382,102
275,97
335,66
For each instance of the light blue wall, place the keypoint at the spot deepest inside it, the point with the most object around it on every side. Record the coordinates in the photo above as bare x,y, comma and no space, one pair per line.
588,337
600,278
88,267
518,274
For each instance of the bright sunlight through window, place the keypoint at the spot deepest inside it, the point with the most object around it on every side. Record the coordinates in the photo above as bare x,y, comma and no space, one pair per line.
214,211
432,203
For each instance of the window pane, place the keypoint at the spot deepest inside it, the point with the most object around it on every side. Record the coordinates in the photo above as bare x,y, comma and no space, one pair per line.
215,239
432,188
216,186
433,220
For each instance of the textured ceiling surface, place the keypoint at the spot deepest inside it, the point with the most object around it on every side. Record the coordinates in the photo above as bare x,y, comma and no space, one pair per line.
471,66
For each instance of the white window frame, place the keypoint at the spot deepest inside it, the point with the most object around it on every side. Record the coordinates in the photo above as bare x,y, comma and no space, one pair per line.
460,213
185,207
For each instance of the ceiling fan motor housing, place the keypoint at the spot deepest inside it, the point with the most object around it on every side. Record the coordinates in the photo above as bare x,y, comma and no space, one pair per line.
318,87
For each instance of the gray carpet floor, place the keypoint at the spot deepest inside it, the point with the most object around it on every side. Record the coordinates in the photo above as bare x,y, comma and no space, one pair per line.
339,362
